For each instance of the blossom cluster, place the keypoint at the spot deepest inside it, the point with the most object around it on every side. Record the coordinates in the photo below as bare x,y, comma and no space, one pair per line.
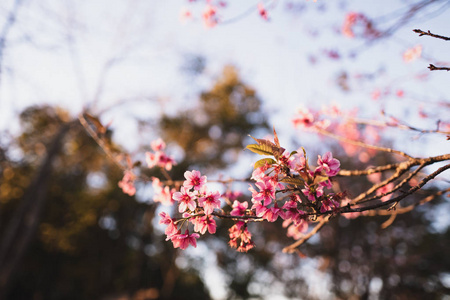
158,157
302,189
332,120
285,187
352,20
196,204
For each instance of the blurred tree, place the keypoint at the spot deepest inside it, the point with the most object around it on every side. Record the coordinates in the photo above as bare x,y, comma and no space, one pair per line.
92,241
212,133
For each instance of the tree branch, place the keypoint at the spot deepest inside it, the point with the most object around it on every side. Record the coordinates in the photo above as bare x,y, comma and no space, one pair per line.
421,32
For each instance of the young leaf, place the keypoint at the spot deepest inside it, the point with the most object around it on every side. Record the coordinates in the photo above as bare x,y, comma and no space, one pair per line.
264,161
293,181
319,178
275,139
260,149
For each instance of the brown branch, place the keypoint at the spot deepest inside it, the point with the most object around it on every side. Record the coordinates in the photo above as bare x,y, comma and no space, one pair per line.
434,68
421,33
397,187
368,171
291,248
413,162
348,209
401,125
406,209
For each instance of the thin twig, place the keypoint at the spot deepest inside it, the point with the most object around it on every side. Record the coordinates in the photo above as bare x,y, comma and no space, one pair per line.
291,248
421,32
434,68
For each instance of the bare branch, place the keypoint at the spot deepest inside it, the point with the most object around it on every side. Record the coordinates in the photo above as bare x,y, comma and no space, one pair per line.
434,68
421,32
291,248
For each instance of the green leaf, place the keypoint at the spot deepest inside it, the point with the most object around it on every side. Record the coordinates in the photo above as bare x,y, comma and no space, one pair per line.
293,152
293,181
319,178
264,161
260,149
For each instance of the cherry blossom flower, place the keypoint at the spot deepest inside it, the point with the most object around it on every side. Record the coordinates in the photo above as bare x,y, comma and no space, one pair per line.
185,199
171,229
328,204
194,180
210,18
303,119
203,223
259,208
209,202
272,214
127,183
267,191
162,194
312,192
296,231
158,145
239,232
384,189
412,54
183,241
328,164
159,159
232,195
239,208
262,11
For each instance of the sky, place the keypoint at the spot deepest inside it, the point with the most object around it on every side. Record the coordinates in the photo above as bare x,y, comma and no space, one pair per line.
92,53
126,59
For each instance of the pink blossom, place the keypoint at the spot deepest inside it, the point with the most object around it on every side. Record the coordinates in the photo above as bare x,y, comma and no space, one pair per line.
412,53
127,183
209,202
400,93
262,11
329,164
328,204
299,162
374,177
183,241
159,159
239,208
210,18
351,215
201,224
304,118
158,145
271,214
312,192
171,229
259,173
185,199
232,195
194,180
239,232
385,189
260,209
267,191
296,231
162,194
